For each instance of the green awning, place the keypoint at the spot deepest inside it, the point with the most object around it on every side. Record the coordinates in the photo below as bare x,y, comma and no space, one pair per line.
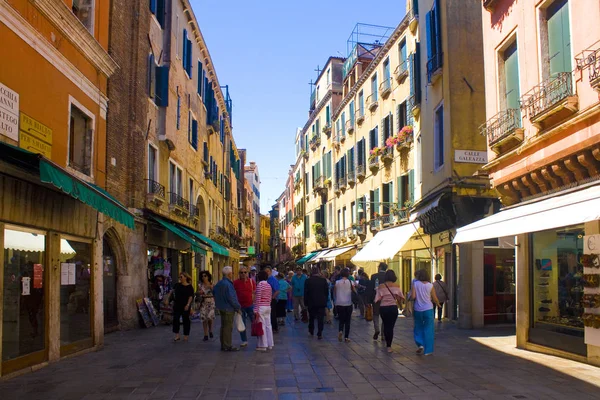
196,247
49,172
216,247
307,257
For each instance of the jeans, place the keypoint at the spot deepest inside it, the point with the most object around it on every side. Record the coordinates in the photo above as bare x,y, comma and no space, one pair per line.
440,311
274,315
389,315
362,301
186,321
298,302
317,313
226,328
344,316
247,312
423,331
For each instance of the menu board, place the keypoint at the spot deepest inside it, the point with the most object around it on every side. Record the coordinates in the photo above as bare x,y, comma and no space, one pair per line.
67,274
143,310
151,311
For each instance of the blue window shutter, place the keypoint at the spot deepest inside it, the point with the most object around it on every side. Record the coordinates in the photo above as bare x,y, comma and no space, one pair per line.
199,78
195,134
160,12
162,86
153,6
429,37
417,73
438,28
188,63
205,148
184,44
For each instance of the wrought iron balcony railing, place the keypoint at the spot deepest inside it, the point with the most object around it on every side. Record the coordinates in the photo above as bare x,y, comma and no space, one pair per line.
501,125
360,171
372,101
350,126
387,220
590,59
155,188
401,71
434,64
342,182
194,212
315,141
318,182
373,162
360,116
351,177
387,154
176,200
401,215
385,88
375,224
547,94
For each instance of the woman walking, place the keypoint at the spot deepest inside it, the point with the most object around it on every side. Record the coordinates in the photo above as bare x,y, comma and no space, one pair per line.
282,298
388,296
342,294
262,311
207,305
184,295
424,296
290,305
441,291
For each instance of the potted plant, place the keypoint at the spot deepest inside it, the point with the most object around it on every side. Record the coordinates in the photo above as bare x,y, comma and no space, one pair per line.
327,182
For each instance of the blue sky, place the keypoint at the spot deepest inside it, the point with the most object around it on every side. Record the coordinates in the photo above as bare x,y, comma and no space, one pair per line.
267,52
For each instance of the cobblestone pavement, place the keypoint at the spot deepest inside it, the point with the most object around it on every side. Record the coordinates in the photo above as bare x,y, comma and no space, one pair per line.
145,364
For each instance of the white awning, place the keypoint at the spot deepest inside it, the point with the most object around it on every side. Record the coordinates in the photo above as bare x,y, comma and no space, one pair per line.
319,256
569,209
333,254
428,206
25,241
384,246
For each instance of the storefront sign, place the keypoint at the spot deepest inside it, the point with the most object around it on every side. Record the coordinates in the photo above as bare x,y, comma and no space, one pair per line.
67,274
9,113
470,156
38,273
35,136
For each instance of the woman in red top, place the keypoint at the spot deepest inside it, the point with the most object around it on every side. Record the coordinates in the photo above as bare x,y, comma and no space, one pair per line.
262,310
244,289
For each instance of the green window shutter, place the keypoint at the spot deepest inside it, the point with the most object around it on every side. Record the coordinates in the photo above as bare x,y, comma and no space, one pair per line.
307,226
402,51
376,200
511,70
327,116
559,38
344,123
411,185
352,112
391,125
400,192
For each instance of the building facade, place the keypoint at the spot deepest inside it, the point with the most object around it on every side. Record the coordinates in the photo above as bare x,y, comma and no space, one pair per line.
265,237
253,178
56,219
542,131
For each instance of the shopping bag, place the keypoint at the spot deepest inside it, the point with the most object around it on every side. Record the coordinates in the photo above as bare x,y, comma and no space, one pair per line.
369,312
239,322
257,327
408,309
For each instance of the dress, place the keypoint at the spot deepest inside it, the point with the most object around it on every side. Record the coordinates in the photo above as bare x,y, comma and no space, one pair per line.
207,307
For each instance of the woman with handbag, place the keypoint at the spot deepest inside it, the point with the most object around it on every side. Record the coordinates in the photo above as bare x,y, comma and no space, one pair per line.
424,296
441,291
389,296
262,312
206,303
342,294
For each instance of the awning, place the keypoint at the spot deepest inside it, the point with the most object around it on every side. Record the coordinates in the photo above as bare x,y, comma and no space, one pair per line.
319,256
85,192
335,253
25,241
384,246
196,247
307,257
568,209
427,206
216,247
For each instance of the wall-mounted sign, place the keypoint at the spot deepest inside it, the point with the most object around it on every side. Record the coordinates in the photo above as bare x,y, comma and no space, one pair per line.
35,136
470,156
251,251
9,113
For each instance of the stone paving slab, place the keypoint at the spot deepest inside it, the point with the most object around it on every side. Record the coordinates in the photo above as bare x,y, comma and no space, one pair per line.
146,364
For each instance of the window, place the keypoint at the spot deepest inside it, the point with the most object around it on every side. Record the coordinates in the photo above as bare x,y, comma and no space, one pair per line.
152,167
175,179
415,75
438,138
317,95
330,217
177,47
187,54
360,150
343,123
200,78
361,103
419,159
351,111
386,72
402,53
374,202
344,218
191,191
374,88
401,114
327,165
386,192
373,139
157,7
386,128
193,132
433,26
306,226
84,11
151,77
353,213
327,116
510,82
350,158
81,140
328,76
559,38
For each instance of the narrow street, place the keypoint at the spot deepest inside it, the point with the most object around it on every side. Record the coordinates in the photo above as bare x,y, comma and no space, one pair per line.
145,364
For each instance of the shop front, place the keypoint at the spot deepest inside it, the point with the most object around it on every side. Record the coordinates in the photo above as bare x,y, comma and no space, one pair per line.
550,267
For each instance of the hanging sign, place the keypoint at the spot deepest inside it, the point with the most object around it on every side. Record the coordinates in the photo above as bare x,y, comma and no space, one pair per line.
9,113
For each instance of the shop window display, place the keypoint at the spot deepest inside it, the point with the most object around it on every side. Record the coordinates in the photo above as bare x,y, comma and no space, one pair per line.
557,281
75,293
24,312
499,285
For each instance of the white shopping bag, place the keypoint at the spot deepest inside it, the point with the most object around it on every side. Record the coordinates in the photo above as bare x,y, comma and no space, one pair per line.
239,322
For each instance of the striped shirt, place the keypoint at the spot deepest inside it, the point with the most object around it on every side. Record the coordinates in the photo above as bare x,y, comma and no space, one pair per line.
263,296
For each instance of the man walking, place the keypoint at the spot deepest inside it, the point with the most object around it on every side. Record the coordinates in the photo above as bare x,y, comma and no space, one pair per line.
272,281
376,280
244,289
316,293
226,302
298,282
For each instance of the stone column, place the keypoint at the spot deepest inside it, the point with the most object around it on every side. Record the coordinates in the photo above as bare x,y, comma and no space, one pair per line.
53,293
593,352
523,292
98,285
470,285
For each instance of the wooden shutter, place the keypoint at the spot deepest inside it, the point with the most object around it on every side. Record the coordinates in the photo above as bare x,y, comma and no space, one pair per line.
559,38
153,6
511,76
417,72
391,125
437,15
429,34
162,86
185,47
399,192
151,76
376,200
411,185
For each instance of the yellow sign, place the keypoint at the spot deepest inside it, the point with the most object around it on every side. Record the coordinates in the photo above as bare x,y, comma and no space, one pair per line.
33,144
35,128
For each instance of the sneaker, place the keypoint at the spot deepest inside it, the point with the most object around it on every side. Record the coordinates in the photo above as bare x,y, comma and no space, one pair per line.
211,335
389,350
420,350
244,344
347,340
263,349
339,336
376,335
205,339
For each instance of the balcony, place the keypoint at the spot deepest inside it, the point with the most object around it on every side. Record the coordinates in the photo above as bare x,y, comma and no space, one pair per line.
360,116
503,131
350,233
400,215
351,177
350,126
361,230
590,59
551,101
336,188
414,106
327,129
387,220
375,224
178,204
319,184
374,164
339,237
315,142
337,140
401,72
434,67
156,193
413,20
387,155
385,88
342,183
372,102
194,212
360,172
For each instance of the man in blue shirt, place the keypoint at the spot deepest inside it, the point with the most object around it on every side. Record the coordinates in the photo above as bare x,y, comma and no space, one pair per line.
272,280
226,302
298,292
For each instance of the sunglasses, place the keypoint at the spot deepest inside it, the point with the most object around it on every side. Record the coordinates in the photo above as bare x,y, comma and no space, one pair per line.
243,272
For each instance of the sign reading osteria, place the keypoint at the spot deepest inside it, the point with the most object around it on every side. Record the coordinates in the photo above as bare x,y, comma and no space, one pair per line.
35,136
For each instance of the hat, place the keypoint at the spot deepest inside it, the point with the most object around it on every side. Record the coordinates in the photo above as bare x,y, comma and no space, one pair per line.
253,268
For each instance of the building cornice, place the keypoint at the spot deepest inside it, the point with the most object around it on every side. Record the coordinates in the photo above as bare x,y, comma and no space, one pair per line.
67,23
373,65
